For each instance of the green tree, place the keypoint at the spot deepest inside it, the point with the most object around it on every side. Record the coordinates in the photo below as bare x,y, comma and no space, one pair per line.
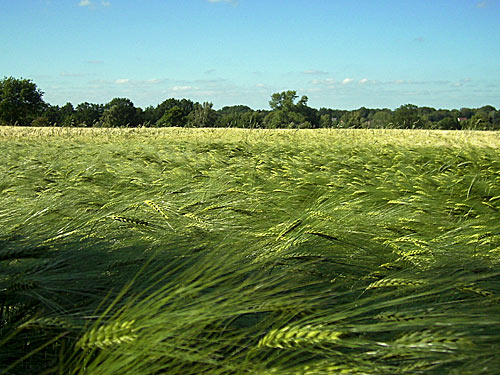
120,112
495,119
480,121
283,100
229,120
41,121
382,119
466,112
490,118
149,116
407,117
20,101
286,113
234,109
152,115
235,116
49,117
330,117
325,121
202,116
311,115
351,120
448,123
67,115
487,109
88,114
172,117
282,118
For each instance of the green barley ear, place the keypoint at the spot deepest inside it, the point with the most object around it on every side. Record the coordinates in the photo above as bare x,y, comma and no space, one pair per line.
330,368
60,236
157,208
196,221
129,220
22,285
472,288
49,323
430,339
395,316
160,210
108,335
396,282
289,337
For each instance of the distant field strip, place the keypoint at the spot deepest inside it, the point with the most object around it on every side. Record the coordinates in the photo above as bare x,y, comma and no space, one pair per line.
383,136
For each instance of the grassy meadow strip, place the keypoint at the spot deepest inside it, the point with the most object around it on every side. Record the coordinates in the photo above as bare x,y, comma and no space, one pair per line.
228,251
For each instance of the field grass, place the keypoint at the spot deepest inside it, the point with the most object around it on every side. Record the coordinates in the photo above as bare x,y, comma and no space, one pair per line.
217,251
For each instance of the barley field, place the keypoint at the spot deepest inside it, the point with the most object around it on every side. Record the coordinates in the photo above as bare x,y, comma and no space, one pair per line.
226,251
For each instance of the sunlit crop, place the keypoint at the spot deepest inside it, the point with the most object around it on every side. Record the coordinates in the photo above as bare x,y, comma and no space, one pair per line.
217,251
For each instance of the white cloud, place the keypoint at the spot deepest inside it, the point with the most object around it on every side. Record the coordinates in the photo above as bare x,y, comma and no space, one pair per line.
363,81
128,83
314,72
91,4
346,81
260,85
326,81
70,74
481,4
182,88
234,2
460,83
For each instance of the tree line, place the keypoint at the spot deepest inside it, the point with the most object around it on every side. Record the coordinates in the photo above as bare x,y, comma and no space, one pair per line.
21,103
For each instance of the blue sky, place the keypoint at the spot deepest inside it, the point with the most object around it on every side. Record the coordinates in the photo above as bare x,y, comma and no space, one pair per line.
340,53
